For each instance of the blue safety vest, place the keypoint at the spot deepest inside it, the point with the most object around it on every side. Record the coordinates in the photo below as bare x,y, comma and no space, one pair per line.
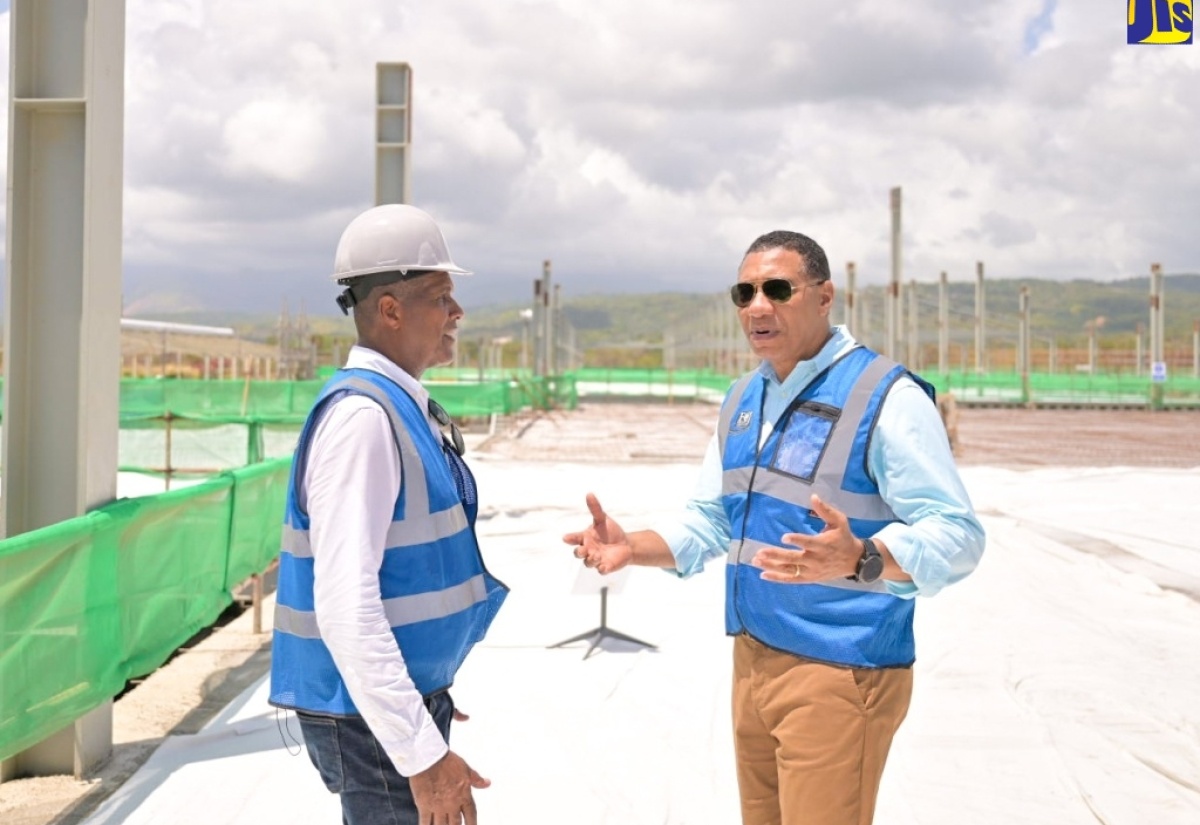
819,445
438,596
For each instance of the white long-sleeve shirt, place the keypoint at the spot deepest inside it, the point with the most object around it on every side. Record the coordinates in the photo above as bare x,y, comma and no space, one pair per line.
349,490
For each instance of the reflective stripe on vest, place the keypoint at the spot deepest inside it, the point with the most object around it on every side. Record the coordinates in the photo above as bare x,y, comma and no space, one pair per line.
400,533
400,611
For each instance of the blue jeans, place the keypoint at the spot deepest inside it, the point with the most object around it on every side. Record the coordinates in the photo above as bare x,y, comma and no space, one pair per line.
353,765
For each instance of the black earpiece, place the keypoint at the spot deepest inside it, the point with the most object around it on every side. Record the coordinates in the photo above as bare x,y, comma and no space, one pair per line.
346,300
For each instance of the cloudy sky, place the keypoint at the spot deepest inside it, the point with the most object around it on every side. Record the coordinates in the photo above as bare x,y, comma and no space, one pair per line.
642,144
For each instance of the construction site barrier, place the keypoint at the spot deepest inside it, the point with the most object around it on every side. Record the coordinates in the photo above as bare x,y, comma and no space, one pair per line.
1100,389
969,388
691,384
90,603
1070,389
167,424
463,393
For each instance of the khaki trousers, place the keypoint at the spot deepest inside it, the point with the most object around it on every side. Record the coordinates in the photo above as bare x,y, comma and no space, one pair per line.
810,738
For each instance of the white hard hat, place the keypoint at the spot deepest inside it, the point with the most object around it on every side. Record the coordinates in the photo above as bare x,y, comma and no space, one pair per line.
394,237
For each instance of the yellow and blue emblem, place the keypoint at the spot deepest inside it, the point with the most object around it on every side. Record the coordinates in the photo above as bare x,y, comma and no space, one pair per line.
1161,22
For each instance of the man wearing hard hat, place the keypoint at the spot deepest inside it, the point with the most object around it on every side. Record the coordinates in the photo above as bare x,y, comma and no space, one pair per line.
382,588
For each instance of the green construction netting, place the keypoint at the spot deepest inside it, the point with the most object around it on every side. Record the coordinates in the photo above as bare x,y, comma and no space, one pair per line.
193,428
87,604
464,394
655,383
1108,389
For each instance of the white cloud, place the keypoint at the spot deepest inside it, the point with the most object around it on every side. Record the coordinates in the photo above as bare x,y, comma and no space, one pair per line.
643,145
277,139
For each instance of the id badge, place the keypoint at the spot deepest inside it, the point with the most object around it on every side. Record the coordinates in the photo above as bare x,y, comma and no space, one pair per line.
803,441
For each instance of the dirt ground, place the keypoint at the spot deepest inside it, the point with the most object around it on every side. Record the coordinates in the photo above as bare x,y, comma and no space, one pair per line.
180,697
1003,437
1079,438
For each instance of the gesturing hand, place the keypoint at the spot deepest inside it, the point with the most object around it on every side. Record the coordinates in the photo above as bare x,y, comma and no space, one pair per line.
831,554
603,545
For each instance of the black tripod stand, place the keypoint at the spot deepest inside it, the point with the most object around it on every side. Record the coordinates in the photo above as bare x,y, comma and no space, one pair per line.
602,632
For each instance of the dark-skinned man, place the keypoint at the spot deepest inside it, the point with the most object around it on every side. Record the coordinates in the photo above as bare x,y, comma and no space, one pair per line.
382,587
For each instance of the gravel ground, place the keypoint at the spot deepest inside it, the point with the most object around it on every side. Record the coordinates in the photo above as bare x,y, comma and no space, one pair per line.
195,685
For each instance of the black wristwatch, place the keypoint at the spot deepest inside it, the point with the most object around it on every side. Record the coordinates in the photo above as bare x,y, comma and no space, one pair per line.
870,564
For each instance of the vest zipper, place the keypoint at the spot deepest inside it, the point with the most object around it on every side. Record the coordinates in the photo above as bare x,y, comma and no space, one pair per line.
758,447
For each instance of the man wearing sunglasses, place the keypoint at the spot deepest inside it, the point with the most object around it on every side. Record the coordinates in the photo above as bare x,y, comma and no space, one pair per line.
382,588
830,490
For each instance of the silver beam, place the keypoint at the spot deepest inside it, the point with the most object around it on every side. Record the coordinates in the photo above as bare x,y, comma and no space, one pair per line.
63,307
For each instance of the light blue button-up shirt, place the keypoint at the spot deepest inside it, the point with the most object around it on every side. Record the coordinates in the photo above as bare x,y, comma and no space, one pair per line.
938,539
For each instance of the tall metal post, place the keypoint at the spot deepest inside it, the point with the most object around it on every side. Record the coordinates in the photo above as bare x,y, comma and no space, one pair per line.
1196,349
1138,354
852,320
539,328
393,133
1023,349
526,320
1093,327
557,360
980,335
63,295
893,307
913,331
547,321
1158,366
943,325
864,319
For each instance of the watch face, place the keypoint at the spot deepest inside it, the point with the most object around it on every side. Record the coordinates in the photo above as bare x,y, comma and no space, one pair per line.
870,568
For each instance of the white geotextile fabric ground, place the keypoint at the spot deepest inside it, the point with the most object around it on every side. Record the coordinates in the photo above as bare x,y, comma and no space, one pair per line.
1056,685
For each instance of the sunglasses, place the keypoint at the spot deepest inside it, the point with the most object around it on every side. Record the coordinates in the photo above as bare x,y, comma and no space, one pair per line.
439,414
777,290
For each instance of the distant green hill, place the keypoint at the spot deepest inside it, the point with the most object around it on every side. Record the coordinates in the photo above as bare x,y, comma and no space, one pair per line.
1060,310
